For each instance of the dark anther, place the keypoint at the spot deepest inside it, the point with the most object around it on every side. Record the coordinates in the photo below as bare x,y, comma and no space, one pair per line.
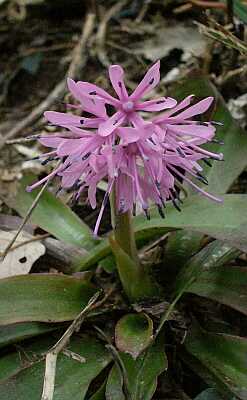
106,197
147,213
176,195
207,162
175,205
82,121
217,123
161,212
134,210
151,81
58,191
181,153
93,93
217,141
115,122
86,156
162,201
120,84
202,178
160,101
44,162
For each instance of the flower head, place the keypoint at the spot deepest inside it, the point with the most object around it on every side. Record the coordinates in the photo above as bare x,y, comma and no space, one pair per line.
144,159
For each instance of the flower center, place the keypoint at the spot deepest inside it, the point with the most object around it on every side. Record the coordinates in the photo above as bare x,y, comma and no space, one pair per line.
128,106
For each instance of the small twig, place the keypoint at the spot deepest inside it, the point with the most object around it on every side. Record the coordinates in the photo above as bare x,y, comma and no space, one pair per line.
24,243
101,33
51,356
77,63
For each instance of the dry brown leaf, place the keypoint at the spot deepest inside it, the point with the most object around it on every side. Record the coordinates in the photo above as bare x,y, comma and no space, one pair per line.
20,259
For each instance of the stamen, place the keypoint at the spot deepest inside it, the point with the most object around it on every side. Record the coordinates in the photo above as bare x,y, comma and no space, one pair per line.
161,212
151,81
93,93
207,162
147,213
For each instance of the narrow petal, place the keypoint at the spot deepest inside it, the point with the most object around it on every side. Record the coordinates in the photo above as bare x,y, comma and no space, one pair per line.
116,75
180,106
198,108
89,89
94,105
51,141
107,127
150,80
157,105
128,135
202,131
66,120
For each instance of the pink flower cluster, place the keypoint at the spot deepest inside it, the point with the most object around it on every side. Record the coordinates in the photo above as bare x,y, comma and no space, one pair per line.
143,158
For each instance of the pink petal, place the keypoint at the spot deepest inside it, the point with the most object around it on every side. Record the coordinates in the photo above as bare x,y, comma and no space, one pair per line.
107,127
116,74
128,135
70,146
157,105
66,119
184,103
150,80
94,106
202,131
91,90
51,141
198,108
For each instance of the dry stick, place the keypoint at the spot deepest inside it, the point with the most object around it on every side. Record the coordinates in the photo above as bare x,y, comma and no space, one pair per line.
29,213
101,33
78,62
24,243
51,357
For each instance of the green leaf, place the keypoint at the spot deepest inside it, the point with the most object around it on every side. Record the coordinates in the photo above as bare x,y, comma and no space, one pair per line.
206,275
214,255
208,394
179,248
17,332
133,333
227,221
222,174
227,285
52,215
100,394
42,298
24,379
142,374
224,356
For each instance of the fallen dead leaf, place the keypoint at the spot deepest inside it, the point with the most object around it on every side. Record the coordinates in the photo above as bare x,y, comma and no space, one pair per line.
20,259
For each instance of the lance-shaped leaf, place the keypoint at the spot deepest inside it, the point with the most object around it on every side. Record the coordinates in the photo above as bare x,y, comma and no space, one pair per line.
22,373
223,357
133,333
52,215
42,298
222,174
207,275
142,374
227,221
18,332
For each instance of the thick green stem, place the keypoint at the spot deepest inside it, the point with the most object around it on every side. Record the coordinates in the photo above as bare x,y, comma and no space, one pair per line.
136,281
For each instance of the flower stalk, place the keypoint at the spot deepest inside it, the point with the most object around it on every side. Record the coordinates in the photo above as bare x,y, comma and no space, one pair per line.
136,281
